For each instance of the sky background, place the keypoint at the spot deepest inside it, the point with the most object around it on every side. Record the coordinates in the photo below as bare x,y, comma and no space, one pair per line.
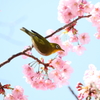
39,15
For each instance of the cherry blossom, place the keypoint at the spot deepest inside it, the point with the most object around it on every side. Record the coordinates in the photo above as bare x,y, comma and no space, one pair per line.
79,49
84,38
55,39
67,45
17,94
97,35
44,78
74,38
95,18
69,9
92,84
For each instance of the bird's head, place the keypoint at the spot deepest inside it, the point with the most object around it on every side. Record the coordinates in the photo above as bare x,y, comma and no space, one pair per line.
56,47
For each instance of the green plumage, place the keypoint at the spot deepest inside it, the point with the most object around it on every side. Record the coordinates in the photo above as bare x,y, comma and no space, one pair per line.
43,46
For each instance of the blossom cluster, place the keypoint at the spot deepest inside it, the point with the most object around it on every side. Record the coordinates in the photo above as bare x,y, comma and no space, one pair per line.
92,84
69,44
17,94
69,9
55,75
95,18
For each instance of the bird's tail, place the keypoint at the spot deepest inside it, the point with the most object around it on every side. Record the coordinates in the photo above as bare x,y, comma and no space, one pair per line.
26,31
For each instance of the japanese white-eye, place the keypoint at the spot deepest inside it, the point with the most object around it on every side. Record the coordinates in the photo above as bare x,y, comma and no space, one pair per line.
43,46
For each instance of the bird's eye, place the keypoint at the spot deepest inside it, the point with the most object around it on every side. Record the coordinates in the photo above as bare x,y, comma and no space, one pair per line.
57,46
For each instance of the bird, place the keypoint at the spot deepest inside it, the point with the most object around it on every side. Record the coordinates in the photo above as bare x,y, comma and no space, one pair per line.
41,44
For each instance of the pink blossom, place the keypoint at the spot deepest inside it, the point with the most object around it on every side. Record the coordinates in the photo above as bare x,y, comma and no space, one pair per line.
57,63
67,45
92,67
29,73
92,83
89,74
62,72
62,18
69,9
67,69
17,94
84,38
43,84
50,85
65,16
58,75
9,97
97,35
84,7
95,18
80,12
74,38
74,4
88,7
62,53
64,12
62,5
55,39
97,79
28,70
39,84
59,78
79,49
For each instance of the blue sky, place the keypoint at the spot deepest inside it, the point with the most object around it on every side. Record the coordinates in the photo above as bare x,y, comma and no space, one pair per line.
39,15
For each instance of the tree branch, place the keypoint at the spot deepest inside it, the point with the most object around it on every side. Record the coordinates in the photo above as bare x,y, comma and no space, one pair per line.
39,61
9,59
58,30
73,92
23,52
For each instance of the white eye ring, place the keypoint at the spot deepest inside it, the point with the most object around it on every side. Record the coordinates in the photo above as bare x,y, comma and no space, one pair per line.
57,46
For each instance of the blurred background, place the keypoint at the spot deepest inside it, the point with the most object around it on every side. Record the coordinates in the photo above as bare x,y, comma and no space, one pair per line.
39,15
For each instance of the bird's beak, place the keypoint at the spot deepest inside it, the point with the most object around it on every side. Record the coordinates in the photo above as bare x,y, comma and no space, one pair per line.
62,50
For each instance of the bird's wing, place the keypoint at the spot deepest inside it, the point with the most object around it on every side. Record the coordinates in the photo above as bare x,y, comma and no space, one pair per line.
39,40
37,34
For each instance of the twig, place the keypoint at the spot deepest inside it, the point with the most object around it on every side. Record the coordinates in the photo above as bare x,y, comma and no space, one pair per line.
9,59
73,92
21,53
58,30
39,61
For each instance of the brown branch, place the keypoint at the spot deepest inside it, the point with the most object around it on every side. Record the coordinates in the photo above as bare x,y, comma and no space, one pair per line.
45,64
13,56
9,59
58,30
39,61
73,92
23,53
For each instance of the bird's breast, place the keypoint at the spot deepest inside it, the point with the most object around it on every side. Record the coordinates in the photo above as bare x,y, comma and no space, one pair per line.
44,48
